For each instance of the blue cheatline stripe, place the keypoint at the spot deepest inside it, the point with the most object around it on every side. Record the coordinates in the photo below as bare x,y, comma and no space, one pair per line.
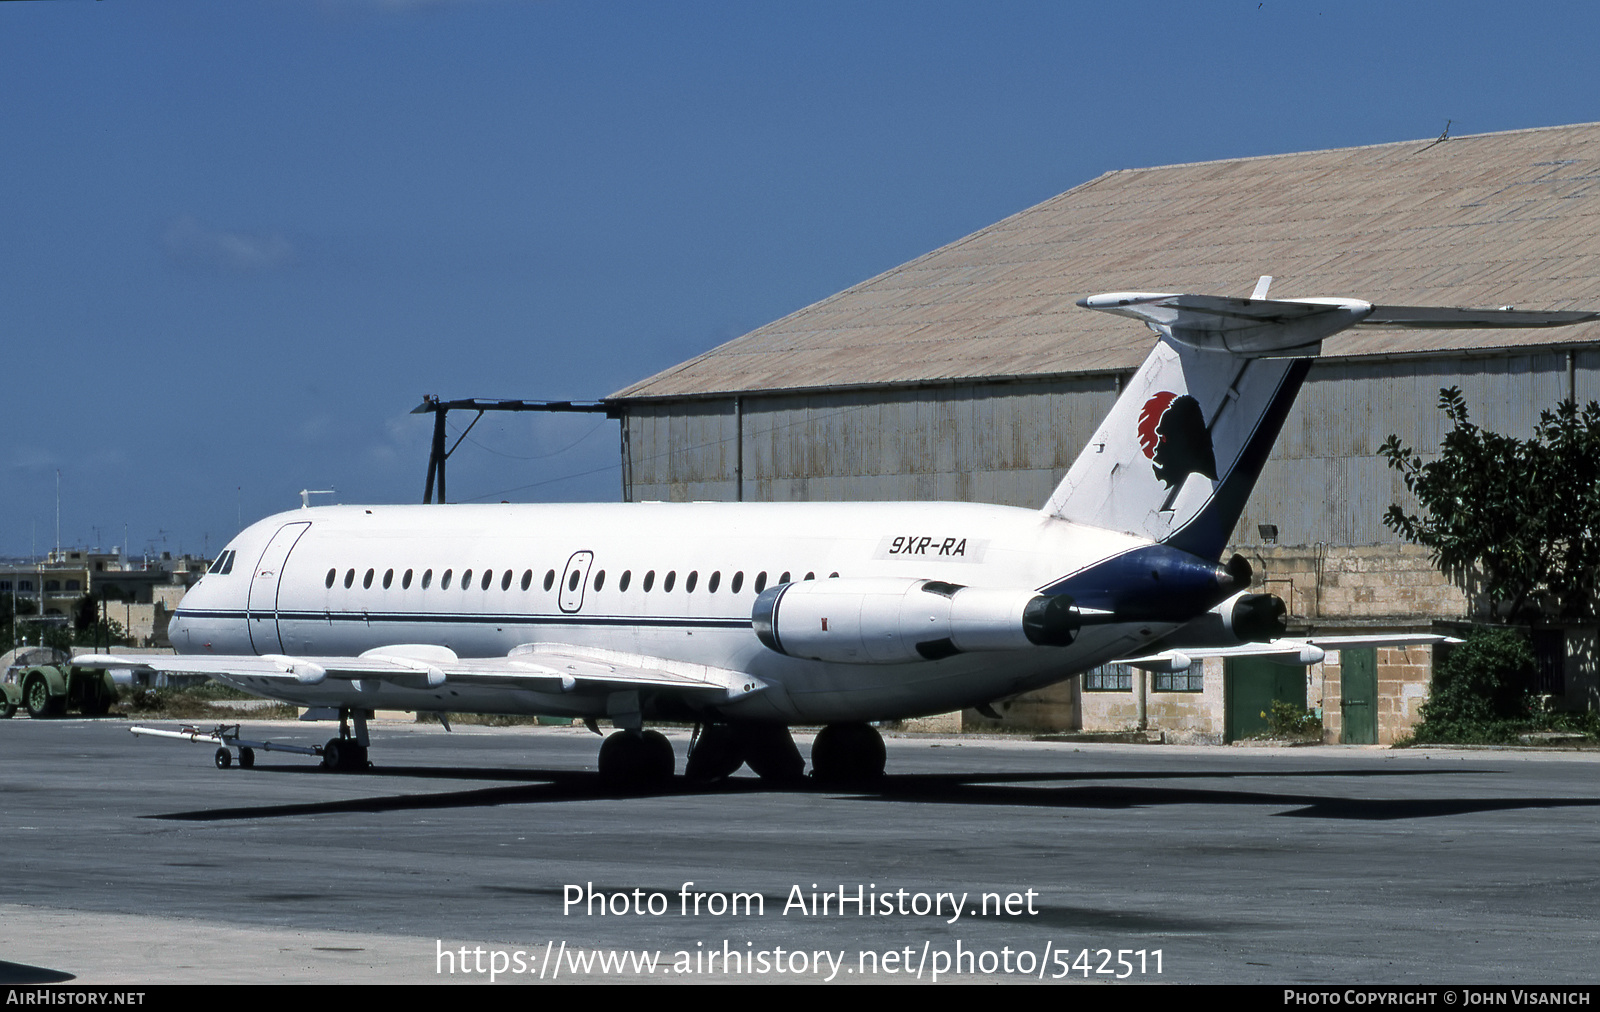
365,617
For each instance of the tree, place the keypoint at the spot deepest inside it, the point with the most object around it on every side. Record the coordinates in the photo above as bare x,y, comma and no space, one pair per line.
1477,692
1516,520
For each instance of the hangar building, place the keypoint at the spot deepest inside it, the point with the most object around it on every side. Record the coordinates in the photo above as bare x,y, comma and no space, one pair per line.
969,374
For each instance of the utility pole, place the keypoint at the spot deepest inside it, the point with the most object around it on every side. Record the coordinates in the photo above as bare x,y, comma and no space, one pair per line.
438,454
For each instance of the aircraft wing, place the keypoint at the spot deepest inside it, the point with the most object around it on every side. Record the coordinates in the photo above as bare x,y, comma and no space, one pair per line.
1294,650
544,667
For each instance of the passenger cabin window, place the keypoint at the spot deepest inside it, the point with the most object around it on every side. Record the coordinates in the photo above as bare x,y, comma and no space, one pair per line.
349,578
711,584
811,576
549,579
444,581
527,579
784,578
427,578
599,579
388,578
572,582
405,581
466,579
366,581
332,575
649,580
622,584
738,581
672,577
488,578
761,581
688,584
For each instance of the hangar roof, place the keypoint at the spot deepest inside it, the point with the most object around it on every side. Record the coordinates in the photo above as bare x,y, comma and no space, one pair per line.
1480,221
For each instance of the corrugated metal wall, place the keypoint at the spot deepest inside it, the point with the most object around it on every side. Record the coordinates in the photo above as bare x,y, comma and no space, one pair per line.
1011,442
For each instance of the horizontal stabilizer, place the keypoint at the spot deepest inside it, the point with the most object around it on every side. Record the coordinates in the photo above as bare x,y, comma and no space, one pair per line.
1469,319
1276,327
1250,328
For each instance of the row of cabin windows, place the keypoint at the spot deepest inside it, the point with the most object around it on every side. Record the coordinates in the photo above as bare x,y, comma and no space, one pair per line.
735,585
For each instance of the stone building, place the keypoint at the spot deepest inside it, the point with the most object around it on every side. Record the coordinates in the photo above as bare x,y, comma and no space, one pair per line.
969,374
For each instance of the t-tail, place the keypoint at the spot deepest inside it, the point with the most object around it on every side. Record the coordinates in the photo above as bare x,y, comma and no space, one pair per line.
1178,455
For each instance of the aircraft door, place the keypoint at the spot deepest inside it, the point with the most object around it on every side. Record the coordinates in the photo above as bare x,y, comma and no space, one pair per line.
575,580
262,607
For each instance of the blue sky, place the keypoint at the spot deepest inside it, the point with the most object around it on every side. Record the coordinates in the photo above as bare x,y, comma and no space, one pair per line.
241,240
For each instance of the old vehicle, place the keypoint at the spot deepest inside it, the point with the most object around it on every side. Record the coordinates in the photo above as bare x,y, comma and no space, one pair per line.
44,681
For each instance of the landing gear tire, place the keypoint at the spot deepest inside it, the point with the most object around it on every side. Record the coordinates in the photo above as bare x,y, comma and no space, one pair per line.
224,758
247,757
636,762
714,755
7,709
847,754
771,752
343,755
36,696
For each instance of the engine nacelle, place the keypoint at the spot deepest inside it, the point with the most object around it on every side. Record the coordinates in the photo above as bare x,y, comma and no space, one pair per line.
1242,618
894,620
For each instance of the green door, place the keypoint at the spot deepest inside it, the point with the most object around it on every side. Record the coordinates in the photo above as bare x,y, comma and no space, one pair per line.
1250,684
1358,696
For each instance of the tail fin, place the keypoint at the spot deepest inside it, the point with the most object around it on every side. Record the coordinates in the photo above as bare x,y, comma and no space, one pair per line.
1180,452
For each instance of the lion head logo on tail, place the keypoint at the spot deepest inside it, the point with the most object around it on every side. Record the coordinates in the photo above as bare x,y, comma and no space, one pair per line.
1172,433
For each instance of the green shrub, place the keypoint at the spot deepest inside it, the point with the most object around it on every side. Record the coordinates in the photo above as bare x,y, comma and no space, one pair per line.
1479,692
1286,720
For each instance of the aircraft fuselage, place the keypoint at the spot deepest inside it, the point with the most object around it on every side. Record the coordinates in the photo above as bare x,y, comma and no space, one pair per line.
674,581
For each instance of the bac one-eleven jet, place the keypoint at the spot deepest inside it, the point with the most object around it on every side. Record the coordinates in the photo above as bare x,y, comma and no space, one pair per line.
747,618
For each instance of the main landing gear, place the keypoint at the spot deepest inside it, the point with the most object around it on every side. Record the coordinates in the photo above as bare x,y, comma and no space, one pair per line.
847,754
636,761
717,750
841,754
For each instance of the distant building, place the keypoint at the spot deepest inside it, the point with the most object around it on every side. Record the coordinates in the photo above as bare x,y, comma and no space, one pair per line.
140,595
968,374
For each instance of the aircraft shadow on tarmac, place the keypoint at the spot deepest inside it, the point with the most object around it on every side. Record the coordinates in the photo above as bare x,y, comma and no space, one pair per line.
1068,790
12,974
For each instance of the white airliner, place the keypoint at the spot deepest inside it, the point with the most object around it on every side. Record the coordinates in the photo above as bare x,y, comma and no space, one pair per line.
747,618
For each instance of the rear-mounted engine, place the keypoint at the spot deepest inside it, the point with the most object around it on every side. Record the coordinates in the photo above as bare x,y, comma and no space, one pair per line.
896,620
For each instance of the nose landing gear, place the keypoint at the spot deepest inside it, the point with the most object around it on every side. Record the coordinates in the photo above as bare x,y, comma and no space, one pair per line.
346,753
